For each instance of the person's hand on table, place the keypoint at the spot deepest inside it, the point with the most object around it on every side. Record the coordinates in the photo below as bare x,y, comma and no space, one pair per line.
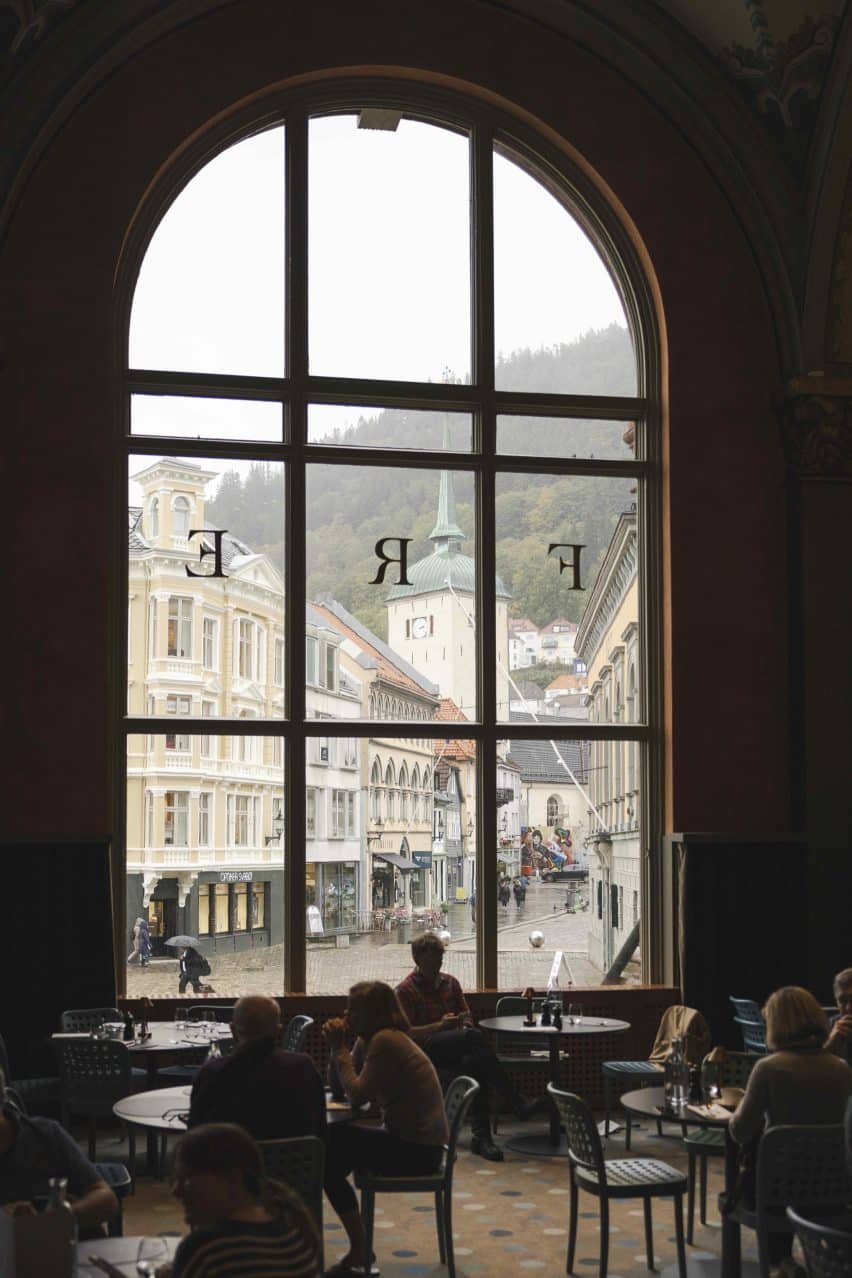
334,1032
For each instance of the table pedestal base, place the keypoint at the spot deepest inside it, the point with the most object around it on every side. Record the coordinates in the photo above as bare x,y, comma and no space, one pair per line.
539,1146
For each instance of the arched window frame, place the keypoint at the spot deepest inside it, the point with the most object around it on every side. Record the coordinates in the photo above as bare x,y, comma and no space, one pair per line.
555,170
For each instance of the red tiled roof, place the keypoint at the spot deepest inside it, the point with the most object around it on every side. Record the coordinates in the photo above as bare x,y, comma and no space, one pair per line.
385,668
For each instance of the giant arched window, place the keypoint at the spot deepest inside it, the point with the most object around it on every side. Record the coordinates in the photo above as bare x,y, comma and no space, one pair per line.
389,368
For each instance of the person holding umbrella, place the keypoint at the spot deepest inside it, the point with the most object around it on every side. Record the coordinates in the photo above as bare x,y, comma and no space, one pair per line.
191,965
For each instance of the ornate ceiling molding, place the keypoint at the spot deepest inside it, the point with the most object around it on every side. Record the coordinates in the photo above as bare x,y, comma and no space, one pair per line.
817,430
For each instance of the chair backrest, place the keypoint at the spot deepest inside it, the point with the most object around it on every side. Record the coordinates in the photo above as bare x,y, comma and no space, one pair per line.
293,1039
753,1035
458,1099
209,1012
737,1067
581,1132
298,1162
745,1009
686,1023
512,1044
82,1020
828,1252
802,1167
93,1073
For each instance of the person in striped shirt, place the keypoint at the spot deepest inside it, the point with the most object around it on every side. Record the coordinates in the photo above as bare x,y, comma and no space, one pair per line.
241,1223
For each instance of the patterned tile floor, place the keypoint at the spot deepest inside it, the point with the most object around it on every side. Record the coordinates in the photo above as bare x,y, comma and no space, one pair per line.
509,1218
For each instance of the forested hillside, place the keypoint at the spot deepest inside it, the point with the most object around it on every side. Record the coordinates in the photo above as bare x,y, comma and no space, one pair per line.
349,510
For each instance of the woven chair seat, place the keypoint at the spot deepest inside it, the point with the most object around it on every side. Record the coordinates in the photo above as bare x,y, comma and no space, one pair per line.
635,1069
623,1173
710,1140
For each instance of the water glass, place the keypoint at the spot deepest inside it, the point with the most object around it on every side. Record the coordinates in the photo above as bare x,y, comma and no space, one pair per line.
575,1013
180,1018
152,1253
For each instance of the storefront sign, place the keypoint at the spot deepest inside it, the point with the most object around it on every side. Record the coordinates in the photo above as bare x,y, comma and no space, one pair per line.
422,859
314,921
236,876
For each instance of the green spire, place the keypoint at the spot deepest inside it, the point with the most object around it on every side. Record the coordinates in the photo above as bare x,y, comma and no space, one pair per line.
446,535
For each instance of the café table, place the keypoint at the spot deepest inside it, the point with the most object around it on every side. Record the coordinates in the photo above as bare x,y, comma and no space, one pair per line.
163,1110
168,1040
552,1145
121,1252
648,1102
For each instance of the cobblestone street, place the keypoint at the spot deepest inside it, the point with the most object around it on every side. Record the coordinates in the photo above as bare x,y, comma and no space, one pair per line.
332,967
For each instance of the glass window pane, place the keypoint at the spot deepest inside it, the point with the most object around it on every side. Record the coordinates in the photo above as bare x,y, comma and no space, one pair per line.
572,614
392,854
205,857
566,437
210,292
206,631
178,416
560,324
361,427
389,250
567,818
400,650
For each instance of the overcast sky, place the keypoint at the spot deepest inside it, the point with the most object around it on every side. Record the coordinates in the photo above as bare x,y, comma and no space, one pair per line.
389,270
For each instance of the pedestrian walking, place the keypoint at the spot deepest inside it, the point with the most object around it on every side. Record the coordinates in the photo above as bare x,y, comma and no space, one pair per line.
519,891
141,943
504,894
473,906
191,967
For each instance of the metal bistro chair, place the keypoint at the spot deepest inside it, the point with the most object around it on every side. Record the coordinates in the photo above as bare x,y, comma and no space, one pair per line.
676,1021
93,1074
516,1054
748,1016
300,1163
457,1102
293,1038
709,1142
828,1252
87,1020
644,1178
799,1166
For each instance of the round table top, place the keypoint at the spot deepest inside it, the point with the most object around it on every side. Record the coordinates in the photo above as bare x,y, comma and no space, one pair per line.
121,1252
589,1025
167,1036
648,1101
161,1109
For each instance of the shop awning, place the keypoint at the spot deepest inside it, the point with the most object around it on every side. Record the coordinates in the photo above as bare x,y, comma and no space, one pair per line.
393,858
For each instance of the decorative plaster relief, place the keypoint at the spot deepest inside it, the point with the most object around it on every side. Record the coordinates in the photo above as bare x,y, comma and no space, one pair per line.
818,435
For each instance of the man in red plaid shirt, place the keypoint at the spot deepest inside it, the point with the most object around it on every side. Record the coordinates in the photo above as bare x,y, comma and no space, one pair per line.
442,1024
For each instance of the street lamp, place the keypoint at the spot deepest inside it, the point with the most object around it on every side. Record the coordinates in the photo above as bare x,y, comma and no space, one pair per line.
277,827
373,836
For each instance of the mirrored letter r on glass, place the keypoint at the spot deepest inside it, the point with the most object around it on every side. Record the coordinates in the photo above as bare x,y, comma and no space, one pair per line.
217,534
401,559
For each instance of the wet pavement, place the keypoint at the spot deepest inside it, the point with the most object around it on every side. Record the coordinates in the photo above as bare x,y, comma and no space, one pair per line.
334,964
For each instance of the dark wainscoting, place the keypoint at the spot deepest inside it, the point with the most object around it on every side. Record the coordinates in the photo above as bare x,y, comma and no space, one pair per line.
56,944
642,1006
741,907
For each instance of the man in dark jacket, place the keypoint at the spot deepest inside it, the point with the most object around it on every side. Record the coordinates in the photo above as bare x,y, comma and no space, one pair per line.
271,1093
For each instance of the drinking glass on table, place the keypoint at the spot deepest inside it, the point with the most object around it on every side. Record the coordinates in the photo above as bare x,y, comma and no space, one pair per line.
575,1012
152,1253
180,1018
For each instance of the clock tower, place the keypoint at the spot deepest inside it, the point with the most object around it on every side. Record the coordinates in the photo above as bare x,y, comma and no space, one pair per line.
431,621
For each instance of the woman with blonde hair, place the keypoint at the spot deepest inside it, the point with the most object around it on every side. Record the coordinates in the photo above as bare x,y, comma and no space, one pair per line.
800,1082
397,1076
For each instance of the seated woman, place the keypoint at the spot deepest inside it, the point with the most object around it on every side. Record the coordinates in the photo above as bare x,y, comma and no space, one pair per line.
401,1080
800,1082
240,1222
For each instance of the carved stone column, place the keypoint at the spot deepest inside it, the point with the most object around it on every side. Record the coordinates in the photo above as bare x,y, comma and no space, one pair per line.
816,420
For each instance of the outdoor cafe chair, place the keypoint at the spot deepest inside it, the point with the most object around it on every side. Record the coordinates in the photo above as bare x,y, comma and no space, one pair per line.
803,1167
828,1251
709,1142
749,1018
88,1020
457,1102
644,1178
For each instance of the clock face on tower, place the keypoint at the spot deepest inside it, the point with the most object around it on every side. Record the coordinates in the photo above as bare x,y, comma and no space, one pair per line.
419,627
